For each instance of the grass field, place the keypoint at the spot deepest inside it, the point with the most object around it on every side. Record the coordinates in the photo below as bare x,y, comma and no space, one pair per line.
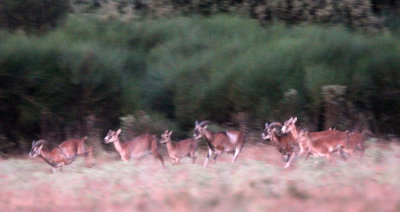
256,183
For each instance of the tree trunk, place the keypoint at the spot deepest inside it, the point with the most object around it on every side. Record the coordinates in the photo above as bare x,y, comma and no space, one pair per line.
94,135
334,106
50,127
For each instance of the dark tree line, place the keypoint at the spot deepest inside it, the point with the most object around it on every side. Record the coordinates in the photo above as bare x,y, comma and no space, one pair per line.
32,15
39,15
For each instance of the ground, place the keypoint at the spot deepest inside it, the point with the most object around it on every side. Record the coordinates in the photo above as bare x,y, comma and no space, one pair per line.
257,182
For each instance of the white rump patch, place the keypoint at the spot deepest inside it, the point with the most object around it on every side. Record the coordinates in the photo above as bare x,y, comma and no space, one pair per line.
233,137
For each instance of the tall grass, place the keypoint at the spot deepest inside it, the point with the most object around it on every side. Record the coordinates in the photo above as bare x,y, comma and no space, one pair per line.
251,185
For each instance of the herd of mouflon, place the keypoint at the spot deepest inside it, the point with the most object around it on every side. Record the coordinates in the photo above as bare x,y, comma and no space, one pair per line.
289,140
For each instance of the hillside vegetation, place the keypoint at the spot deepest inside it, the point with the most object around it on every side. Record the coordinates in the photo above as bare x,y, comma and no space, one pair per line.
185,69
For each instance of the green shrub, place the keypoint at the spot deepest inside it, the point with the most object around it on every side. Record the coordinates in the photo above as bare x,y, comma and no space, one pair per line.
192,68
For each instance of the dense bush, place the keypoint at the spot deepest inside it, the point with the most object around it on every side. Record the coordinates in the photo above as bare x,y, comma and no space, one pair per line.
32,15
193,68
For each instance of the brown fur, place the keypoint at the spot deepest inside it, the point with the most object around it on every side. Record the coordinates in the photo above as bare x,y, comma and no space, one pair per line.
355,143
350,141
285,144
290,127
228,141
178,150
76,147
323,146
136,147
58,156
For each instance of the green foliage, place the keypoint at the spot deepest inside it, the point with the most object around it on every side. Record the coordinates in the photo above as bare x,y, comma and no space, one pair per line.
69,79
156,124
191,68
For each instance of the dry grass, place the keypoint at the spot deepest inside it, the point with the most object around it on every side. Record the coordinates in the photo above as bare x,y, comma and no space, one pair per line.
256,183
